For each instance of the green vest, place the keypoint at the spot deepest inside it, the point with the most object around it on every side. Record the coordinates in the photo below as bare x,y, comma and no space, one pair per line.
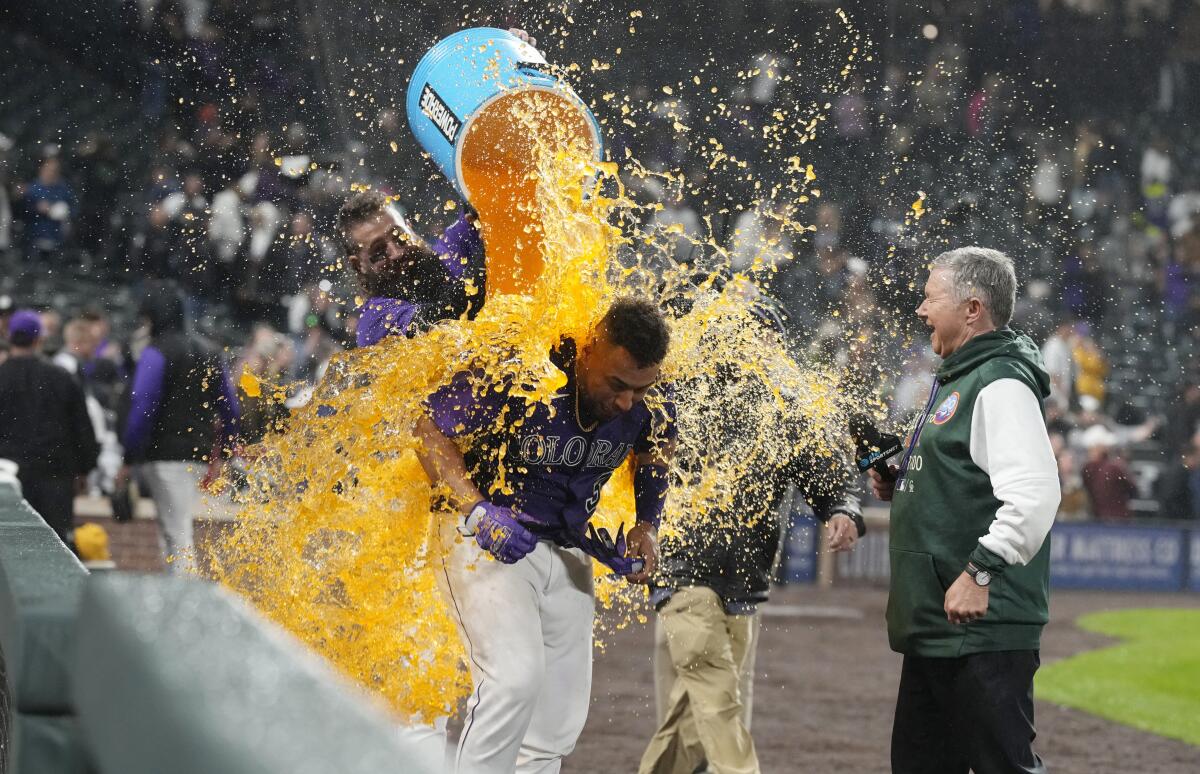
943,504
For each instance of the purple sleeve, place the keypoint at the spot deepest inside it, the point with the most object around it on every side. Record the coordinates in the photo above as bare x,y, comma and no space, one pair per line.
146,396
457,410
661,427
458,245
650,484
230,411
382,317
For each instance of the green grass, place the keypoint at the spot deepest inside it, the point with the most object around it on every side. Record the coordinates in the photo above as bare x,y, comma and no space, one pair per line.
1150,680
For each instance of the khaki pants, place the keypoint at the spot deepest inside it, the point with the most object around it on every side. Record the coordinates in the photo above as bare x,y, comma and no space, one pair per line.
703,716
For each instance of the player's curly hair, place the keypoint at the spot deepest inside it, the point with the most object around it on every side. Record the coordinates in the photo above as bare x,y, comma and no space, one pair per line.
637,325
360,206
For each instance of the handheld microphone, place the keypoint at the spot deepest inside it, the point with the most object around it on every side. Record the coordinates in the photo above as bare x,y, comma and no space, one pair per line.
873,448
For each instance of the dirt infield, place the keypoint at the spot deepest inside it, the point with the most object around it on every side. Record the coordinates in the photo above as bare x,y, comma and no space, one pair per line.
825,689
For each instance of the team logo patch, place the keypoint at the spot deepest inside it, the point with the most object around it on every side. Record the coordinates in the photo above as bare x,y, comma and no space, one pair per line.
946,410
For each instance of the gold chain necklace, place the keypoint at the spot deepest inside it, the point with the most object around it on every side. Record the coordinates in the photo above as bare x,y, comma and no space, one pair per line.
578,413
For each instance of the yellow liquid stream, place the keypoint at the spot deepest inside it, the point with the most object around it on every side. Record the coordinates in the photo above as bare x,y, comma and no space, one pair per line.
499,170
335,540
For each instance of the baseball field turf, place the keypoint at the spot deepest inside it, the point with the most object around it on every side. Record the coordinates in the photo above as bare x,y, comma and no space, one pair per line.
1150,679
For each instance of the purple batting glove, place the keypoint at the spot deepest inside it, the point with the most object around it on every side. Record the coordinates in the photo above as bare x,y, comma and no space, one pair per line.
611,553
498,531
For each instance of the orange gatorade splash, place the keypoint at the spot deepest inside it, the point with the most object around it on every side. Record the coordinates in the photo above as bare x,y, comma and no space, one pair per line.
499,172
336,540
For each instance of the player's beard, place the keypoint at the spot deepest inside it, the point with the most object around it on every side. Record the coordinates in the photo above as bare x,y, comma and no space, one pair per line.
590,410
421,279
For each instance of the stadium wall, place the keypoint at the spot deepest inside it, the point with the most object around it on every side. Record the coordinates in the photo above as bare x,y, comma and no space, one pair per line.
1137,556
121,673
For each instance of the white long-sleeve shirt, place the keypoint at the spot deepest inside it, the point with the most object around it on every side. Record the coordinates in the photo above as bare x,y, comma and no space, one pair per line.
1009,442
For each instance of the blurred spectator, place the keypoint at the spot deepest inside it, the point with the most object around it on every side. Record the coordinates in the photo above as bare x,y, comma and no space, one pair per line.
1074,503
253,296
291,263
227,234
52,338
269,356
1033,314
79,345
1179,485
1182,420
78,358
678,225
163,46
151,245
182,415
762,240
1084,285
983,110
1156,168
188,257
1058,353
851,113
100,181
105,372
1105,476
1091,367
50,204
6,211
319,333
912,386
936,94
1047,183
44,426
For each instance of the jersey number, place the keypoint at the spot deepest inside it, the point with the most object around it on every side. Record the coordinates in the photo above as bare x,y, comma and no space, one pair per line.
594,500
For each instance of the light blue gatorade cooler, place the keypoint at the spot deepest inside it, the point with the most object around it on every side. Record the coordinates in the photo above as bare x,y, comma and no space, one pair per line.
461,77
475,102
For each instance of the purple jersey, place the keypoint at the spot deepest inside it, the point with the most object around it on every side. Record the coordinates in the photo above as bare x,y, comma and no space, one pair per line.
554,467
459,247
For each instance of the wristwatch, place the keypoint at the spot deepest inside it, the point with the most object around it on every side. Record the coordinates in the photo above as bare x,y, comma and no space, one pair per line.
859,525
981,576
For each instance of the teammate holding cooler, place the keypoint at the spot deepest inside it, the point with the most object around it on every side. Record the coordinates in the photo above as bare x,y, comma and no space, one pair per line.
973,501
409,285
518,570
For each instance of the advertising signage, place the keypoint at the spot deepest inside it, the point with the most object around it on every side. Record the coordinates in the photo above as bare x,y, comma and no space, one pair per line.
1092,556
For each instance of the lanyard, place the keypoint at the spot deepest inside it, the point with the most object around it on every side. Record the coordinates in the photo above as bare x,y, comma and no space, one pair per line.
916,435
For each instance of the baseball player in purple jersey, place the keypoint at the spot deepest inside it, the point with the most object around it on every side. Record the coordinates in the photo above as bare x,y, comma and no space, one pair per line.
520,586
410,286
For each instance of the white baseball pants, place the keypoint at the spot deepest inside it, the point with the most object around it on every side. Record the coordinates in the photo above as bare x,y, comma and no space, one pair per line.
175,488
527,630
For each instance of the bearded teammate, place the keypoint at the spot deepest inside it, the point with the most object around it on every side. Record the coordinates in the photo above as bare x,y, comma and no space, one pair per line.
410,286
520,583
